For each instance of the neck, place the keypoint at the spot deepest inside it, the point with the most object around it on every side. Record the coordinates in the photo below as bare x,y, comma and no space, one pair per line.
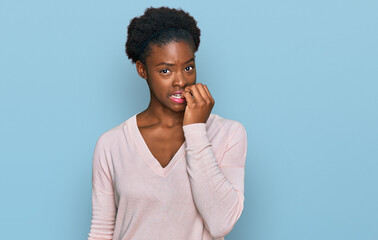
157,114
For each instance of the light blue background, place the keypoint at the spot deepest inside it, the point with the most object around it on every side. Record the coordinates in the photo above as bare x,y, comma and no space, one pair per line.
302,76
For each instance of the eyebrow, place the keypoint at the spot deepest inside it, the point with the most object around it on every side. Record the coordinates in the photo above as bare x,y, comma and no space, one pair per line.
171,64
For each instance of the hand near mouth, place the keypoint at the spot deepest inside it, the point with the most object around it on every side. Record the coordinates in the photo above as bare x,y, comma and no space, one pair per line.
199,104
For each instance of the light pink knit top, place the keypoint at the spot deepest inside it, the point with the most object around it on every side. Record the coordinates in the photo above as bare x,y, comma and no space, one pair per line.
199,195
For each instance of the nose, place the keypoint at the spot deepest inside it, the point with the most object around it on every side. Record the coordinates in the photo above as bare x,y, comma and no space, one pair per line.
180,80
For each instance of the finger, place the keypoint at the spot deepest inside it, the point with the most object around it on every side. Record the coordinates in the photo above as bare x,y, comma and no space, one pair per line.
188,97
197,95
208,93
201,89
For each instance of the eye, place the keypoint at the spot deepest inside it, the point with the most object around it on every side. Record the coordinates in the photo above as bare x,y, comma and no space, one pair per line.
189,68
164,71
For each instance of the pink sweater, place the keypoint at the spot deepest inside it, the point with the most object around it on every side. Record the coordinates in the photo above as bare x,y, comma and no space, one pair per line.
199,195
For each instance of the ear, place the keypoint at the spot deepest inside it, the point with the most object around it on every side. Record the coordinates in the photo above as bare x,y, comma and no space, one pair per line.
141,69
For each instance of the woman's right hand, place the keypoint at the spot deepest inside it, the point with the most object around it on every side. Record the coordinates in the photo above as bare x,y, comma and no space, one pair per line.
199,104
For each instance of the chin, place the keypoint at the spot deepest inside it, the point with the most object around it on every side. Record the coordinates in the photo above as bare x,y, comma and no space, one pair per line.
178,108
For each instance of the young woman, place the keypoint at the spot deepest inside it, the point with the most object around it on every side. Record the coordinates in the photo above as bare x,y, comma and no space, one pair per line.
175,170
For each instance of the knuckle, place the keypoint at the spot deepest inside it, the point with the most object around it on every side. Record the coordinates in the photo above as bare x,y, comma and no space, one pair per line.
201,103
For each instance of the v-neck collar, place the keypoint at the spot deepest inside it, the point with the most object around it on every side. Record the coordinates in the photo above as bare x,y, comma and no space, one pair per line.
147,155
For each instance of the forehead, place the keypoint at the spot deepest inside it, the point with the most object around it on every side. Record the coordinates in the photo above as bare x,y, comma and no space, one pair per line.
172,52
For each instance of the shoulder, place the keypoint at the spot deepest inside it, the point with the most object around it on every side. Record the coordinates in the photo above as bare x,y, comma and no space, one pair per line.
229,136
225,133
114,135
228,127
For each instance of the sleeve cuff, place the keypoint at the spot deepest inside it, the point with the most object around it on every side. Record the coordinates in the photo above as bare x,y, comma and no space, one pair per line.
195,134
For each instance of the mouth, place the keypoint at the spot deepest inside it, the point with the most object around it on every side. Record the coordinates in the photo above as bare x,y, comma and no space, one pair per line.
177,97
177,94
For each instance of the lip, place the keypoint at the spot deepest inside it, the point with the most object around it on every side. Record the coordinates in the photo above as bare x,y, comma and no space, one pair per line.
177,100
178,92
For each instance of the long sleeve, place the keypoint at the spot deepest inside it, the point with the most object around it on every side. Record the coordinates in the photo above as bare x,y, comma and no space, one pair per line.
218,190
103,204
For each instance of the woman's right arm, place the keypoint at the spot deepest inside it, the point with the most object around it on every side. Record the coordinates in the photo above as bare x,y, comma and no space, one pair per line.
103,204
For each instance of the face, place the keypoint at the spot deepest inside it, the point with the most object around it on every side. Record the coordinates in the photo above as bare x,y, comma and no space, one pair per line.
168,70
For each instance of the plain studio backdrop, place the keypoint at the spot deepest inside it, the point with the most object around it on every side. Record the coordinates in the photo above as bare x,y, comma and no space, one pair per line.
302,76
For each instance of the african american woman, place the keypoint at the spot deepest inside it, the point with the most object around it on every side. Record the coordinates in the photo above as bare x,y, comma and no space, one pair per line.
174,170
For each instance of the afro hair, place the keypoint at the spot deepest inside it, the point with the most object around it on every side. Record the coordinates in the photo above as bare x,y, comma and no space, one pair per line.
160,26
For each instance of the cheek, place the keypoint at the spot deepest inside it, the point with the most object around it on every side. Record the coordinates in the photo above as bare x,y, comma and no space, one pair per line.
159,85
193,78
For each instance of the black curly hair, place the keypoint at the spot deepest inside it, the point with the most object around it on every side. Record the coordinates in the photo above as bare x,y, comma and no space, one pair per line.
160,26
